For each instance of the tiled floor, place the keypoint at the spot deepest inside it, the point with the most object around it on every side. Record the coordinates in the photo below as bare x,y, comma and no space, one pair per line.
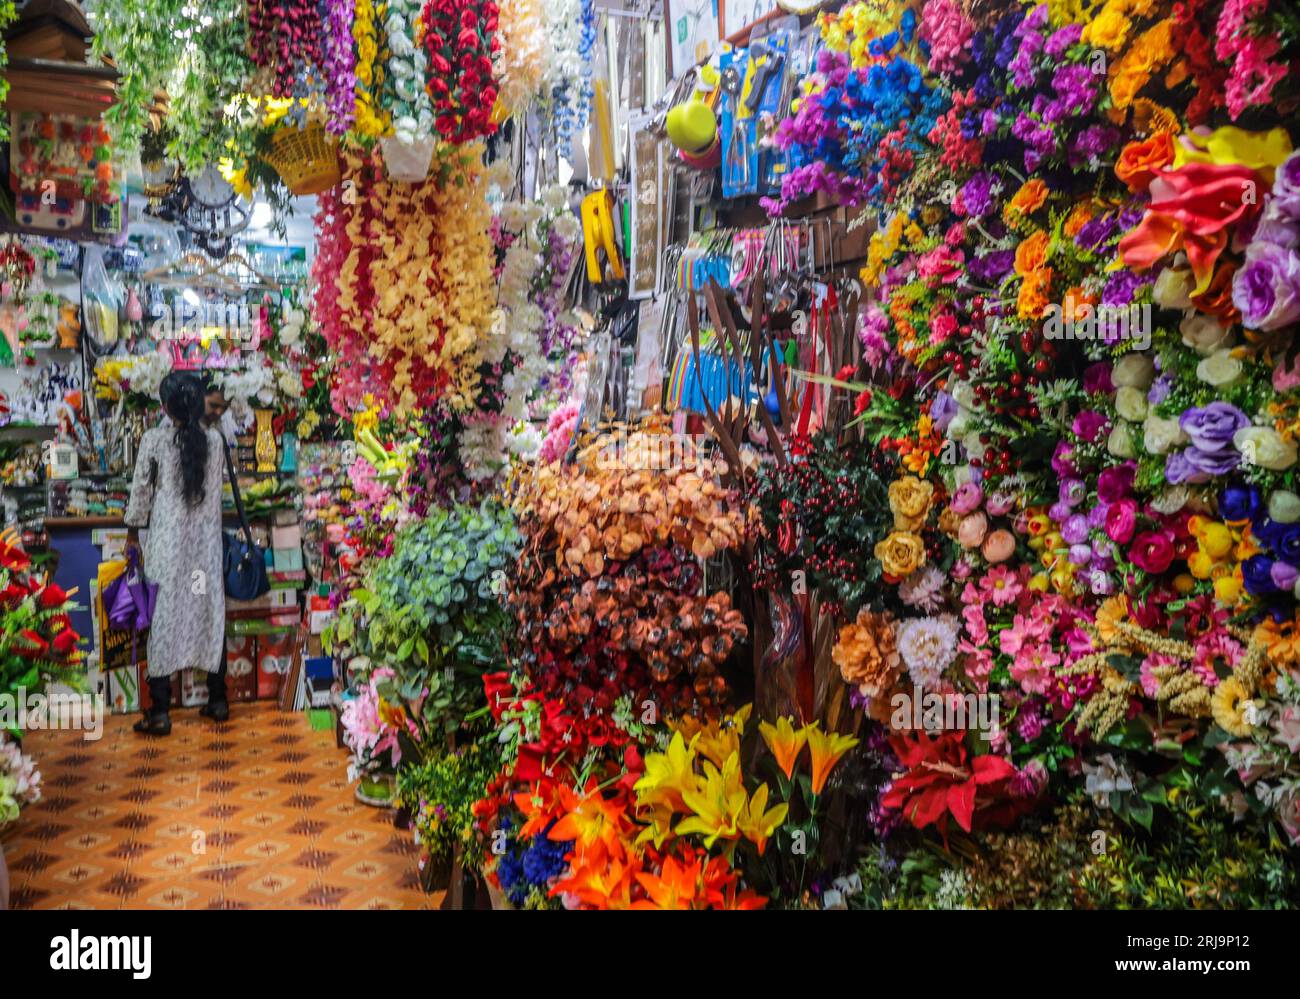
253,814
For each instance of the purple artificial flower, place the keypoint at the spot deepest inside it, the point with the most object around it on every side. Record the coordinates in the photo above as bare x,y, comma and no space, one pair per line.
942,410
1122,287
1212,463
1160,389
1061,40
1096,379
1097,516
1179,470
1211,427
1095,140
1075,529
1116,483
1088,424
1095,233
1061,463
1286,187
977,194
991,268
1267,287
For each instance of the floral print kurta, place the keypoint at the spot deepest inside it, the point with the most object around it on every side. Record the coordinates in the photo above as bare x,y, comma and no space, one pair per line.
182,554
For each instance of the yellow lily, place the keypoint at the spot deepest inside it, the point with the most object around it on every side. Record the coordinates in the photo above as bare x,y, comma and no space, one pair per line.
718,806
785,743
827,749
668,776
757,823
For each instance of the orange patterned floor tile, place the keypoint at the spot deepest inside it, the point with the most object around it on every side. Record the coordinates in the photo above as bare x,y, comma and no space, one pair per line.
256,813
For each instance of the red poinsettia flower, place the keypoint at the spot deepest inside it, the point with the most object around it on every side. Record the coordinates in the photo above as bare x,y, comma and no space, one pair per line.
943,780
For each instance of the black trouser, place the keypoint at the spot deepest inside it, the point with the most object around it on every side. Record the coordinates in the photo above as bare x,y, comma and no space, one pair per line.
160,687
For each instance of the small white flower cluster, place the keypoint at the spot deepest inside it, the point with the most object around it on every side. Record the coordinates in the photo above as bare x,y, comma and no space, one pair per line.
20,781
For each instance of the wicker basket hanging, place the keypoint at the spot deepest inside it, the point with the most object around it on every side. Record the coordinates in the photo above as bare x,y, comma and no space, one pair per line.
305,158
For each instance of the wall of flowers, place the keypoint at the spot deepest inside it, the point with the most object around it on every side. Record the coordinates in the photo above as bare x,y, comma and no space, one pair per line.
1012,623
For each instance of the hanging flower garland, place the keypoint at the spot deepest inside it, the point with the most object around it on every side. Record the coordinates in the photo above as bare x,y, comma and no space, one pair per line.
285,35
370,119
340,65
565,20
405,95
521,57
460,38
404,276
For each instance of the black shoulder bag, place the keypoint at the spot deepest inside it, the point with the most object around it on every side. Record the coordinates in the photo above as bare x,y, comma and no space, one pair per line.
243,564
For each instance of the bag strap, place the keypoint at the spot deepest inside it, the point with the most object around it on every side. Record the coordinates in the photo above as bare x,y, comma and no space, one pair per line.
234,488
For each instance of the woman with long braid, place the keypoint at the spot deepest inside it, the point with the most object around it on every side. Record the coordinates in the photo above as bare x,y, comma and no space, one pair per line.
176,495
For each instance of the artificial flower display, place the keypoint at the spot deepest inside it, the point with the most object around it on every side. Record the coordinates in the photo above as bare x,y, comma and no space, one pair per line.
406,323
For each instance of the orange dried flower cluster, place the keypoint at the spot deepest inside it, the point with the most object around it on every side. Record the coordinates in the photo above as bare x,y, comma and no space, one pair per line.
866,651
611,503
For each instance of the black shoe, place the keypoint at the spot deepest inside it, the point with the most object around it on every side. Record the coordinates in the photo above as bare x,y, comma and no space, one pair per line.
152,724
218,712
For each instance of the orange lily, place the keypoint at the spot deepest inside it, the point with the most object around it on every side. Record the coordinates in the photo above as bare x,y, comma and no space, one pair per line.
827,750
674,888
785,743
602,885
594,824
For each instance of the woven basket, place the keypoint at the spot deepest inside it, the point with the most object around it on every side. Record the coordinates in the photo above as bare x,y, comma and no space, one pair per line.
305,158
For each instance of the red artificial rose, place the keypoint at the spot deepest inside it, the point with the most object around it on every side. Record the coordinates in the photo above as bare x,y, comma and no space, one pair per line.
65,641
439,64
468,19
1152,552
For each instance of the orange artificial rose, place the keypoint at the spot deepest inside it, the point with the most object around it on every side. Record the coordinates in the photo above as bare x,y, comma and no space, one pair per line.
1031,197
1140,161
1031,254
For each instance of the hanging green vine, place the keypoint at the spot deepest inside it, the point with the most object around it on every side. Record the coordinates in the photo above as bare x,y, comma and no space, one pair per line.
8,14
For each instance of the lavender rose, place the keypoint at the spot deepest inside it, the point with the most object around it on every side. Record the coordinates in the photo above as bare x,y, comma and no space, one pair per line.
1211,427
1286,187
1267,288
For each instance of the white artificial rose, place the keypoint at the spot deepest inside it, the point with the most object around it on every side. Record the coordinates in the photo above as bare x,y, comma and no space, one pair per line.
1265,447
1205,334
1169,502
1133,370
1120,441
1159,434
1131,403
1220,369
964,394
971,442
1173,288
1284,506
959,427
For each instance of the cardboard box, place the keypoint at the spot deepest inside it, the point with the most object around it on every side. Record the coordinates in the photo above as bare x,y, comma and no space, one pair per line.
274,658
282,598
241,668
320,615
287,560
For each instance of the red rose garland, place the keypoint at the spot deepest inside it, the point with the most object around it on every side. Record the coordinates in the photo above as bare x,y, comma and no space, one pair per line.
460,37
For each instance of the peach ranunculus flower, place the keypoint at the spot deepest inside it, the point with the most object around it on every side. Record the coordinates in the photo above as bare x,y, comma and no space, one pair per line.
866,651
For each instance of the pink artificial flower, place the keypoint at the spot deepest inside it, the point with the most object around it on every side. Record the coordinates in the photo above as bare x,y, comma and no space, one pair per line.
1214,645
1023,631
976,626
1032,668
1001,585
